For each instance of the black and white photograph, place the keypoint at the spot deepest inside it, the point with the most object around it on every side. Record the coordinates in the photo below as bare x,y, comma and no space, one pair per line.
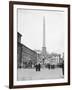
40,44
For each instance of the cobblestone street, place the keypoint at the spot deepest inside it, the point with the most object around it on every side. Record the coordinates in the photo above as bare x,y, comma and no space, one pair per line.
31,74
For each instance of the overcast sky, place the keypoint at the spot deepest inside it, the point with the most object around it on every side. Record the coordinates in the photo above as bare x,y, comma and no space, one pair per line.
30,25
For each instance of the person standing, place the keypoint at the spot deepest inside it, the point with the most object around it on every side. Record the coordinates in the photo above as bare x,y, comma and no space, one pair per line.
36,66
63,68
39,66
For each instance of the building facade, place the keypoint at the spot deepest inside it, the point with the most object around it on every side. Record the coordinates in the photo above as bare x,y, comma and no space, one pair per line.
25,56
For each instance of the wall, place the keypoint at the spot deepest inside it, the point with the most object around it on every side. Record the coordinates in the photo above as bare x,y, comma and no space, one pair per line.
4,45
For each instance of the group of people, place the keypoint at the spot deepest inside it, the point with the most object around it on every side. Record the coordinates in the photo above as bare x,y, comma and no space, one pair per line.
38,67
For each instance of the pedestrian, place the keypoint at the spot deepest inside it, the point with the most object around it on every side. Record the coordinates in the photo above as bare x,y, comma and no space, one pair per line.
49,66
36,66
39,66
63,68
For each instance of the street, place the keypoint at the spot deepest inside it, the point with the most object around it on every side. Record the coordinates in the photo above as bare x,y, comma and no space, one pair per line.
31,74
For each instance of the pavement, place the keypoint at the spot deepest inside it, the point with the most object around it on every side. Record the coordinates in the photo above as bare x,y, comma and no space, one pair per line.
32,74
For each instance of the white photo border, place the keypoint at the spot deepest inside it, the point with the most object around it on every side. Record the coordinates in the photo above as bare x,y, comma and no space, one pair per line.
32,82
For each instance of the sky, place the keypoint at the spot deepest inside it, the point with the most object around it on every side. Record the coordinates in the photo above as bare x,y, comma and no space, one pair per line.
30,25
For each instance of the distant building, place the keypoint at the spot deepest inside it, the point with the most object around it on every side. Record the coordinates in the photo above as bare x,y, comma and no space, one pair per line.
54,58
61,59
25,56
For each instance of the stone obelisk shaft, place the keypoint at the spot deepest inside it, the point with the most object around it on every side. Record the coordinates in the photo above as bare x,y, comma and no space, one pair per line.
44,46
43,31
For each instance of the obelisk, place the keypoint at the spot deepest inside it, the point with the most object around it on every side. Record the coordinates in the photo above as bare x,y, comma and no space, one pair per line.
44,45
44,37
